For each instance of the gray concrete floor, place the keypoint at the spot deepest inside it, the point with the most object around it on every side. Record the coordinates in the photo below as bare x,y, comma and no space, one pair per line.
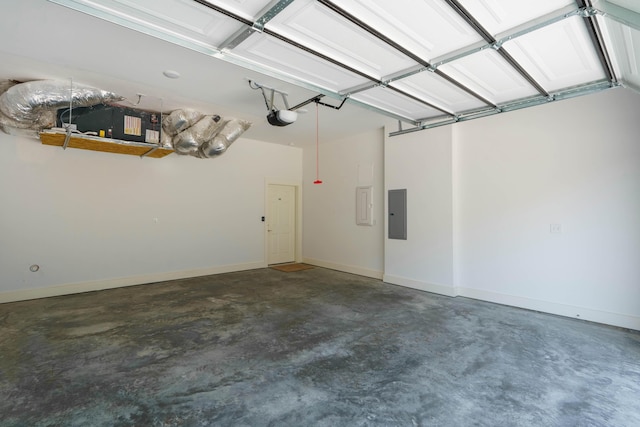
317,347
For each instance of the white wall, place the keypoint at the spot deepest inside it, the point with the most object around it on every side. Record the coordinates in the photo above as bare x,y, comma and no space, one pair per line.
574,163
331,237
481,195
422,163
87,218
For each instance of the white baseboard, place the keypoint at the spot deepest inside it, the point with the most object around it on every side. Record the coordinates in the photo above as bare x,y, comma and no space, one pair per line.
598,316
374,274
449,291
576,312
97,285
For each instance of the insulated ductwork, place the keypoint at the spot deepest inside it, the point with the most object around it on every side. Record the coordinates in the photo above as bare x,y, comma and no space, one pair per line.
5,121
180,120
33,105
192,133
6,84
229,133
189,140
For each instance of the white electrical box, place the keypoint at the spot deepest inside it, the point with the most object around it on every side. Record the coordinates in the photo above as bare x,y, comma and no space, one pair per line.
364,205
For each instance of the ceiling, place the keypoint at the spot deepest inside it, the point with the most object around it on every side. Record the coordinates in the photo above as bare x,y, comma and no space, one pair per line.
422,63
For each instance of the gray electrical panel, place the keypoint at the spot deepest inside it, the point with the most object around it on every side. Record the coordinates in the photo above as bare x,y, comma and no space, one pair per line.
398,214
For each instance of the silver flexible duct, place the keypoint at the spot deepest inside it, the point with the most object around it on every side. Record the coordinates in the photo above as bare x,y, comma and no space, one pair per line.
179,120
5,122
189,140
194,134
6,84
33,105
229,133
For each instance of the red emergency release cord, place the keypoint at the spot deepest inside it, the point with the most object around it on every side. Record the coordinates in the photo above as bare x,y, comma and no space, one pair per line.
317,181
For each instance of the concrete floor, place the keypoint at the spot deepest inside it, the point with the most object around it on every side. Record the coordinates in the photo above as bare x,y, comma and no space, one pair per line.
317,347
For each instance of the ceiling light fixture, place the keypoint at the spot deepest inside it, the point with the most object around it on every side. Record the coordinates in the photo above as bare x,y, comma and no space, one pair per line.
171,74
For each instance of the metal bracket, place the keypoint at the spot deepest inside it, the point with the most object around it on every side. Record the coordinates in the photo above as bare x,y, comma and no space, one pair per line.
516,105
67,138
619,14
588,12
269,13
521,30
317,101
270,102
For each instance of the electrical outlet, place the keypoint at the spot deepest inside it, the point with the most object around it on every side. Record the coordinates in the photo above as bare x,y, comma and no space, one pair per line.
555,228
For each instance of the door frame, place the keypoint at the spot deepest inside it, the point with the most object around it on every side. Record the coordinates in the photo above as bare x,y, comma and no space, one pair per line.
298,215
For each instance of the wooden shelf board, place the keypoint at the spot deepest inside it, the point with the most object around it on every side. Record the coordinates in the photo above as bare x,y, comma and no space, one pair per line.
107,145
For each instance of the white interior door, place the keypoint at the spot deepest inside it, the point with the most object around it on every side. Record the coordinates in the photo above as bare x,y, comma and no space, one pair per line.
281,224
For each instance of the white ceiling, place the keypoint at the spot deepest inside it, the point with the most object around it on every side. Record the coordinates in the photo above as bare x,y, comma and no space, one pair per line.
424,62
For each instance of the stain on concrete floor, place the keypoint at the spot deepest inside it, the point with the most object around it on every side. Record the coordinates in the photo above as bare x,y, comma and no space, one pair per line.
318,347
